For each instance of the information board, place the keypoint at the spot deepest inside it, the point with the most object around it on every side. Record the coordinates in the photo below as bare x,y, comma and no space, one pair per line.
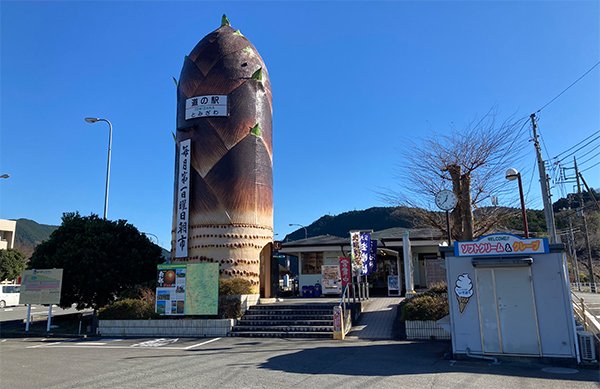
187,289
41,286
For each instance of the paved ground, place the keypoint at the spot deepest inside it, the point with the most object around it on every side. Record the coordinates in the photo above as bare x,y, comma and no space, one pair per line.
264,363
377,320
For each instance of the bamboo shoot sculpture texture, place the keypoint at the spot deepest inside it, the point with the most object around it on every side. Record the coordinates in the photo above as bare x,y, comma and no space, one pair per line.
231,181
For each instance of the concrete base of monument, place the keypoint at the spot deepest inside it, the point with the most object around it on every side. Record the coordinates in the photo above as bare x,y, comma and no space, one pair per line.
166,327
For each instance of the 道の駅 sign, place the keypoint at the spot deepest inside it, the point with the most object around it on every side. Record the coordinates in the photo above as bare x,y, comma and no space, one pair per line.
501,244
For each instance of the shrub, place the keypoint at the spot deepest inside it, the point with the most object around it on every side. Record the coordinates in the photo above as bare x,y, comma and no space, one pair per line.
235,286
438,288
139,292
425,307
128,309
230,307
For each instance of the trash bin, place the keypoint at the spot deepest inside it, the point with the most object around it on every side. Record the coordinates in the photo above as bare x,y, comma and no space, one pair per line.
318,290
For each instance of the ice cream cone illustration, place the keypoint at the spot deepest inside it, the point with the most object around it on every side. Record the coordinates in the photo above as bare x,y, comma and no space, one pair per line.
463,291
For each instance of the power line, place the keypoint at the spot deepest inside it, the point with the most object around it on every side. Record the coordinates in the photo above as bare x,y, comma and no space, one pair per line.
589,159
582,147
572,147
588,168
569,87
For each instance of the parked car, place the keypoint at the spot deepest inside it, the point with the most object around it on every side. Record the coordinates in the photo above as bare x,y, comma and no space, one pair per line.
9,295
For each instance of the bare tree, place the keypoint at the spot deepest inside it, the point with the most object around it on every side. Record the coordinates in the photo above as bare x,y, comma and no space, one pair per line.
471,163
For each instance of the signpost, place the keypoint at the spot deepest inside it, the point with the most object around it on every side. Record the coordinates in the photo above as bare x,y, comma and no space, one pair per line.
40,286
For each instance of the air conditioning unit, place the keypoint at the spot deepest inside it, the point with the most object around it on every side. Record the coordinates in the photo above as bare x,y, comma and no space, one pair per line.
587,347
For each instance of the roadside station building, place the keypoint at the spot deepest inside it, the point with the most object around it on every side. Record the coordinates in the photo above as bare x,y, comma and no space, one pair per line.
427,265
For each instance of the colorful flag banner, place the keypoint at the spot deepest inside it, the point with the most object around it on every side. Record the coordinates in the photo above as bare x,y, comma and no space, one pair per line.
345,271
373,257
355,250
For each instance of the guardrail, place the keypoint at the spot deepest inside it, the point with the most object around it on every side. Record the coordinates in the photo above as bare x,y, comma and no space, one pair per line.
583,315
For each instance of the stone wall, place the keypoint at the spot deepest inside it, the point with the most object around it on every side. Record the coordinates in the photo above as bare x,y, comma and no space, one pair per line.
167,327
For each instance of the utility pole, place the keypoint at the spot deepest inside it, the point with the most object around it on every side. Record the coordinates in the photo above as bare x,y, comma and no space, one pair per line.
546,195
585,229
573,251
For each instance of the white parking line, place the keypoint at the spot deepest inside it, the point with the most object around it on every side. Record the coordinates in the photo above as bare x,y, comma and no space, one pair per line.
152,345
202,344
44,345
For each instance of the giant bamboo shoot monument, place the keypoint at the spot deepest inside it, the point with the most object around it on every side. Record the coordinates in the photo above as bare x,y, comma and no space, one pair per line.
223,202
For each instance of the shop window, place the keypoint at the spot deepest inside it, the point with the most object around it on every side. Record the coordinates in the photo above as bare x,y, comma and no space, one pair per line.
312,262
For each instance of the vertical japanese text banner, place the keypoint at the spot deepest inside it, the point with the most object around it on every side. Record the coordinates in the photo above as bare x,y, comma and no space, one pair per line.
345,271
373,257
365,252
355,250
183,201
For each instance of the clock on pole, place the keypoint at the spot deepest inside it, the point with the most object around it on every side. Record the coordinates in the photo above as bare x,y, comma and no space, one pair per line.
446,200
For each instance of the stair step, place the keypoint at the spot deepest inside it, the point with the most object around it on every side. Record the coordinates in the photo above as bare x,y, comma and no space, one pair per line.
292,322
291,310
252,334
288,317
294,307
242,328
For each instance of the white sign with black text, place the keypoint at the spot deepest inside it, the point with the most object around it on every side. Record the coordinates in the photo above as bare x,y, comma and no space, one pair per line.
206,106
183,201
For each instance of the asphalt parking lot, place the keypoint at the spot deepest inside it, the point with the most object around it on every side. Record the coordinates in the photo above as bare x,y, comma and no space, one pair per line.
265,363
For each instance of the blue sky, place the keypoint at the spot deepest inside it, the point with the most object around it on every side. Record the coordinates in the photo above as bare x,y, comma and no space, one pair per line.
352,83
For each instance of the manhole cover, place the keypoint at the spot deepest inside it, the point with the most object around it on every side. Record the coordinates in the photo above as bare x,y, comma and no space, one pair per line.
560,370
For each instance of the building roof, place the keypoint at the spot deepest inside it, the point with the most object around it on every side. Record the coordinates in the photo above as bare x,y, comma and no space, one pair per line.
390,236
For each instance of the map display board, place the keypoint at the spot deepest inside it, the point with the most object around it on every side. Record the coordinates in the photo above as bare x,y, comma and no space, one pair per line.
190,289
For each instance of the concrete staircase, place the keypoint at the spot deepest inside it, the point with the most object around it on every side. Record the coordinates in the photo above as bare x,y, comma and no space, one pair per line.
287,321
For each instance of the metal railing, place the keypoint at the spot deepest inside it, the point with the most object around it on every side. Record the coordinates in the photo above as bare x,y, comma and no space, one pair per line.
583,315
361,291
345,320
585,287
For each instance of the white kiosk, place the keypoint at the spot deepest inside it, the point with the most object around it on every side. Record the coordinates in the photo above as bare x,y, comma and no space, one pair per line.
510,296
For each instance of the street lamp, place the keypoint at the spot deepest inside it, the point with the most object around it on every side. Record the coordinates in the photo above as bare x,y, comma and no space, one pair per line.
300,225
94,120
4,176
511,175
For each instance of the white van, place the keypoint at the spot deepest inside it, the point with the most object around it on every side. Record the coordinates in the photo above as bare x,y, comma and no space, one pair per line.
9,295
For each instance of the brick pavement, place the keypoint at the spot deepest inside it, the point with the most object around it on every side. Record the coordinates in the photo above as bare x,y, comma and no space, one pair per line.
377,319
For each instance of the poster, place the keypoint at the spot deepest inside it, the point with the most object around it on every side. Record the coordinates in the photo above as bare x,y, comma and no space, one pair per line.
393,283
170,291
330,278
41,286
190,289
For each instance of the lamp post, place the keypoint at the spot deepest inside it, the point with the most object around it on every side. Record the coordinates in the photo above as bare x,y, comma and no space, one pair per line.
94,120
511,175
4,176
300,225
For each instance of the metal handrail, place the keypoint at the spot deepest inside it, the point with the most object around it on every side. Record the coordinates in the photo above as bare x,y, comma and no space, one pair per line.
344,299
581,311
